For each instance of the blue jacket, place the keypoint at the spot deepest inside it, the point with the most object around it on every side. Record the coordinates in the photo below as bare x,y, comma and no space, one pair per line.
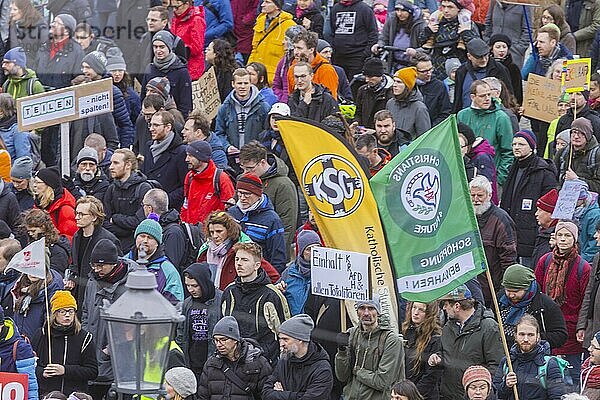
218,153
23,363
216,25
134,104
268,95
167,276
17,143
526,366
181,84
588,221
298,288
30,321
264,227
532,65
226,126
122,118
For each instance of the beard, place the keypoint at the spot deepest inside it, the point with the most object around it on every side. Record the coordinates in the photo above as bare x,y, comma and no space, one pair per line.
482,208
87,176
287,353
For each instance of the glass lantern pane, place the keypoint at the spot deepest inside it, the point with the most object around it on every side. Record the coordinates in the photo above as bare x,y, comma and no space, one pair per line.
124,351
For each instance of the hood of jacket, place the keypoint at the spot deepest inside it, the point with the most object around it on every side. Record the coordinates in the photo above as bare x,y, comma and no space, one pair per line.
483,147
254,92
536,355
315,353
278,167
135,178
29,73
496,106
202,275
170,217
262,279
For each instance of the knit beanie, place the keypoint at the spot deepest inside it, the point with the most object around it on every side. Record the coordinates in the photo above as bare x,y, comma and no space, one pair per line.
17,56
251,183
115,62
160,85
200,150
583,125
373,303
500,37
182,380
298,327
407,75
548,201
322,44
569,226
529,137
467,132
564,136
62,299
50,176
517,276
166,37
307,237
373,67
97,61
228,327
68,21
22,168
451,65
87,154
405,5
150,227
104,252
476,373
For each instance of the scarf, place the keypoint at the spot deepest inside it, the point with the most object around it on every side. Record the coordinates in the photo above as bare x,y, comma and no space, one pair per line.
116,275
516,310
300,12
157,148
215,255
252,207
547,61
594,103
590,375
164,65
556,277
303,266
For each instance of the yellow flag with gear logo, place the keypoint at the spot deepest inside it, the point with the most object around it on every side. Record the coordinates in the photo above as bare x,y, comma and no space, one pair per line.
338,193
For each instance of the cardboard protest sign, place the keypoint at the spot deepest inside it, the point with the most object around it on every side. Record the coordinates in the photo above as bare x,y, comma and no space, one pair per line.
205,94
339,274
13,386
567,200
576,75
540,100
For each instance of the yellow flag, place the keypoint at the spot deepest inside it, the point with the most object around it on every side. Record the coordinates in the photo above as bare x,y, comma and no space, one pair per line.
338,193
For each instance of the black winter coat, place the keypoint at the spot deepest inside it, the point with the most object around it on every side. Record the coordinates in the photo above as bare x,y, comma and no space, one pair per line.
181,84
514,72
10,212
80,129
493,68
79,9
541,245
24,198
368,102
426,378
307,378
123,205
586,112
169,169
538,177
81,272
174,239
322,104
75,351
58,72
96,187
252,368
60,254
435,97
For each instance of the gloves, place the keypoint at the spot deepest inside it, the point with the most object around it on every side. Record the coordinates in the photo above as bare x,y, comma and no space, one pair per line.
342,340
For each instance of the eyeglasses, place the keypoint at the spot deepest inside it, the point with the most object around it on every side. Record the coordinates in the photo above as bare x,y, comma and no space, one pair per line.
303,76
153,125
222,340
425,71
575,132
244,194
81,214
65,311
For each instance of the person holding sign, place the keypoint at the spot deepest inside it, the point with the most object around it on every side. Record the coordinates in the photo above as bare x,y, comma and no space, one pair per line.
72,362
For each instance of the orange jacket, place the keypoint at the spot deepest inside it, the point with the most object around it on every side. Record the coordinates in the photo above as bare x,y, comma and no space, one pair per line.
325,75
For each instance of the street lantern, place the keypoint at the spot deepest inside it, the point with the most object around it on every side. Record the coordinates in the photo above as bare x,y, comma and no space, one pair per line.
141,324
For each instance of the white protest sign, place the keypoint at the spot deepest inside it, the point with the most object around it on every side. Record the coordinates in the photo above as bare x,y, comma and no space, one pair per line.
339,274
567,200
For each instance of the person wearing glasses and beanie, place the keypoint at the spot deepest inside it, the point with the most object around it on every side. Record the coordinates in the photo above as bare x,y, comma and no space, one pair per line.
73,360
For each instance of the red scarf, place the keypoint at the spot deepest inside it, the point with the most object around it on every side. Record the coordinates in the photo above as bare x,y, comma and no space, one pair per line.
55,47
590,375
556,277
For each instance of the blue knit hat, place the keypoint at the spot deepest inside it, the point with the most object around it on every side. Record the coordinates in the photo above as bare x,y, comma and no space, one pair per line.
16,55
150,227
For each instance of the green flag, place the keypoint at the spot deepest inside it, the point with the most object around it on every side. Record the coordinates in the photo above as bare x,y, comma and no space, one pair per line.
428,219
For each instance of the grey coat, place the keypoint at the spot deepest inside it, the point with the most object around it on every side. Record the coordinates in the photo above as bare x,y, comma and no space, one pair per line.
509,19
591,325
411,114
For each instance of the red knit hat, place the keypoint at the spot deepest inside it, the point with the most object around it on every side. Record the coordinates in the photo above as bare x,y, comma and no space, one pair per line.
251,183
548,201
476,373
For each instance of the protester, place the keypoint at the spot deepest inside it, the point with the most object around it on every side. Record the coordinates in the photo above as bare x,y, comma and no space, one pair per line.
374,94
590,374
180,384
544,208
8,249
406,390
38,225
477,383
21,181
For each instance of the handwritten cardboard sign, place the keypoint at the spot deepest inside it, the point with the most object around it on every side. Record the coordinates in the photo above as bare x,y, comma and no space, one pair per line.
541,98
567,200
13,386
205,94
576,75
340,274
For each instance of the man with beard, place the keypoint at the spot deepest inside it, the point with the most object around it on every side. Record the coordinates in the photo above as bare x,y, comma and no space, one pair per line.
90,180
388,136
310,100
303,371
374,94
370,357
536,374
498,233
20,80
543,215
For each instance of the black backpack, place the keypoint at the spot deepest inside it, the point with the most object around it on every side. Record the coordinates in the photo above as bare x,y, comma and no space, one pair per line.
193,240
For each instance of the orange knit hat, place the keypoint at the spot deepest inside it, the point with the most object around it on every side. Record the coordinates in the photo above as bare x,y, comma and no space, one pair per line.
62,299
408,75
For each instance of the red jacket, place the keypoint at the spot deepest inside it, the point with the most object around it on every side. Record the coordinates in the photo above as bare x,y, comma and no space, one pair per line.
62,212
190,27
575,290
244,17
198,191
228,273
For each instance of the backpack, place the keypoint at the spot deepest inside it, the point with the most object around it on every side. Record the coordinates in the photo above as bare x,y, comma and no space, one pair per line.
380,350
30,82
216,181
228,36
193,240
590,162
579,267
563,366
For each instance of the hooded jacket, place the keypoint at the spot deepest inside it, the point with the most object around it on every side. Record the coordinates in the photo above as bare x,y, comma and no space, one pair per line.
174,238
9,207
579,164
227,125
181,84
24,362
251,367
96,187
297,287
17,143
535,178
322,104
307,378
367,374
354,29
410,114
482,158
264,227
190,27
494,125
19,86
259,308
369,101
201,315
62,213
267,42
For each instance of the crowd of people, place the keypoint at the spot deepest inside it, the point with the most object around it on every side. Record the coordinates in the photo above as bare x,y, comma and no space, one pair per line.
215,210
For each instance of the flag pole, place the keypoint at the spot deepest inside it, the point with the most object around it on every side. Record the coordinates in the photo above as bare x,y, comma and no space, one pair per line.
48,320
501,327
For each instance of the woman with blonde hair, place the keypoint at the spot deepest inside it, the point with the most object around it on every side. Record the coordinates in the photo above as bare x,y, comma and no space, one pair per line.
422,331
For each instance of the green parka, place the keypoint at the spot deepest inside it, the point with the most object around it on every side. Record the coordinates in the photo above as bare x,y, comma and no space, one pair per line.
18,87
